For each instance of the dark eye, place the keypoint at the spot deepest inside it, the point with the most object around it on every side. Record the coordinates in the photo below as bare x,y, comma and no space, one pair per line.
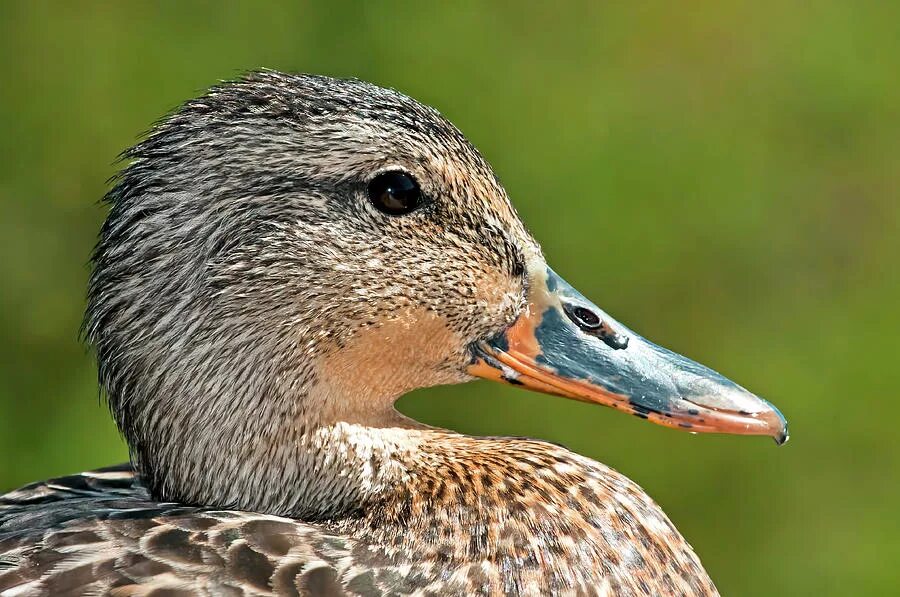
395,193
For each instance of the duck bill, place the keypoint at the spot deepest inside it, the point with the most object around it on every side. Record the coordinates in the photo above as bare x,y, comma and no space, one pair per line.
563,344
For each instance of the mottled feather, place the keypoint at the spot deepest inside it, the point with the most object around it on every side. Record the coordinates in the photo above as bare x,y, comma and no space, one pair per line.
555,523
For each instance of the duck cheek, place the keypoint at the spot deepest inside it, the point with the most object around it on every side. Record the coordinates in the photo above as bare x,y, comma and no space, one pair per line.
404,350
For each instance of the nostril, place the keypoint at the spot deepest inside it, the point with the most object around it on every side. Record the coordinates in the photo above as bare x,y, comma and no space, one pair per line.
584,318
591,323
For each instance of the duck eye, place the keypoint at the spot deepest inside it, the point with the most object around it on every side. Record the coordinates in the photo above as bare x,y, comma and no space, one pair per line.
394,193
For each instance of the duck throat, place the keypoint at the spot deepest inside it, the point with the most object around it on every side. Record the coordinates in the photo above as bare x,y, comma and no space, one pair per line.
348,447
313,471
342,468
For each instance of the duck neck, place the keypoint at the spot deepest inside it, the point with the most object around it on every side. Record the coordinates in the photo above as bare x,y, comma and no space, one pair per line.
330,463
290,456
351,445
315,441
345,466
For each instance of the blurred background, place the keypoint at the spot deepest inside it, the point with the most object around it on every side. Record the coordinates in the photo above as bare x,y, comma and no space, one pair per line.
721,177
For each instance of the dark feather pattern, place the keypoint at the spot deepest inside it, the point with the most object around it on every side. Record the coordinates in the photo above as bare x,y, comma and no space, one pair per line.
101,533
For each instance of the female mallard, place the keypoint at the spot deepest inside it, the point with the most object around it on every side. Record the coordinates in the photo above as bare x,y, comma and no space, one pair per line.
283,258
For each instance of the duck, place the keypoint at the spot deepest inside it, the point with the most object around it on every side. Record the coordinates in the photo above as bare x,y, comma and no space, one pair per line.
282,259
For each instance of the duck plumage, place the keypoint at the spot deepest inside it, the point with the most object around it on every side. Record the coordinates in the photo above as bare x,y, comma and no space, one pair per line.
256,309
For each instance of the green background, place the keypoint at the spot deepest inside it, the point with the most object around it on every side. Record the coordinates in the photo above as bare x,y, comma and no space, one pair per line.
723,178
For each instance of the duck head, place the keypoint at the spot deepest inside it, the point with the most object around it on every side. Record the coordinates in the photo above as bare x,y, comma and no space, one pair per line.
288,254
